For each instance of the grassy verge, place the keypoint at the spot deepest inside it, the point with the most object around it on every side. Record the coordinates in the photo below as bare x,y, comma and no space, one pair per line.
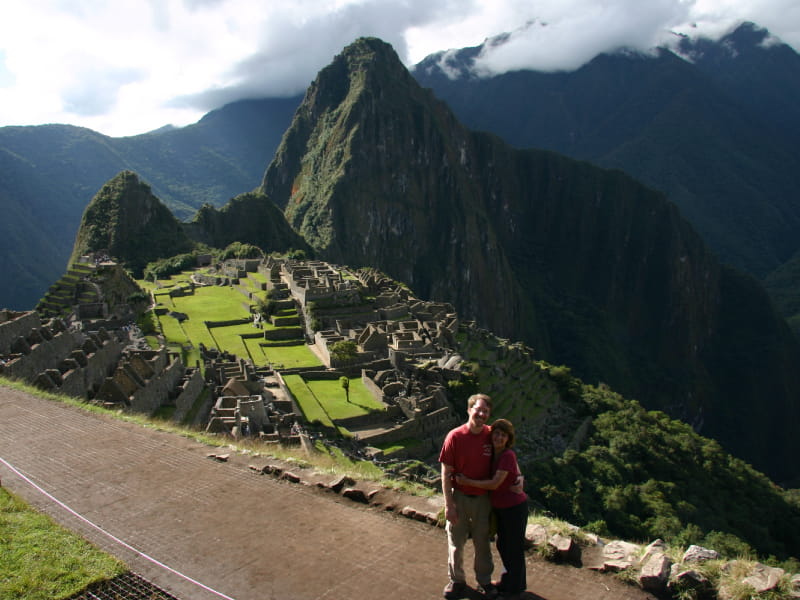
40,560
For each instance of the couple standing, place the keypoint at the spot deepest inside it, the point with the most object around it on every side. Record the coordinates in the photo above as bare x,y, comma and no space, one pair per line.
475,459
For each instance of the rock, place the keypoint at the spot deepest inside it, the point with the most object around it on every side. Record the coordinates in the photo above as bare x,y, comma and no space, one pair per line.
355,495
654,547
698,554
565,547
655,571
409,512
339,484
619,555
432,518
795,586
536,534
289,476
690,579
763,578
593,539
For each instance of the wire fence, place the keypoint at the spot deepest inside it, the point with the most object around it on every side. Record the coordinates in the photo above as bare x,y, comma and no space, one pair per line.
128,586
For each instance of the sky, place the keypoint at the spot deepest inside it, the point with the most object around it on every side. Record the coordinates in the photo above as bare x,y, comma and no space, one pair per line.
123,67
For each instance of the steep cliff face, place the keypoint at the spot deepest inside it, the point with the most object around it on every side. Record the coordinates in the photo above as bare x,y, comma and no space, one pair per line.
591,268
373,171
128,222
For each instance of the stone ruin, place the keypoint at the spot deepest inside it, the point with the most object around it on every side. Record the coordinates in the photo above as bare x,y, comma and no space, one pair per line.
249,401
401,345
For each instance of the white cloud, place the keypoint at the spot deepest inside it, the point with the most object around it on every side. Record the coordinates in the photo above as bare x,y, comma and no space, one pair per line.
567,34
126,66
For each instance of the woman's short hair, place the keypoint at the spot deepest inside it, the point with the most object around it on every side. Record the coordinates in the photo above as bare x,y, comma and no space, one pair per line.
506,427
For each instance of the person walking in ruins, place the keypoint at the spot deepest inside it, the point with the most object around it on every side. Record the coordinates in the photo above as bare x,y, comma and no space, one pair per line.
467,450
510,507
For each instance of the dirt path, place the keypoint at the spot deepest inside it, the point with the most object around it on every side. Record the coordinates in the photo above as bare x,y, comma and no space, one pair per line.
203,529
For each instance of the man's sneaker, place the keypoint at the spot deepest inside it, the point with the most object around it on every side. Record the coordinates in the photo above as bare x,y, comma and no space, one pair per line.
455,590
490,591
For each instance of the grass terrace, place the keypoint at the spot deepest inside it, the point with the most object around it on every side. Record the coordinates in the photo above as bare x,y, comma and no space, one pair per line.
286,357
330,394
313,412
225,303
324,400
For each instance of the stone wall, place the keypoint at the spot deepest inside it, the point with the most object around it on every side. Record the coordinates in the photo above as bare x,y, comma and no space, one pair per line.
42,356
149,398
84,381
191,389
431,428
14,325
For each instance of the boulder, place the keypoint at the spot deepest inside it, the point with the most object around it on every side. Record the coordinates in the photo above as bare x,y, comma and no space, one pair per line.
689,579
355,495
794,588
536,534
619,555
763,578
565,547
655,572
339,484
289,476
698,554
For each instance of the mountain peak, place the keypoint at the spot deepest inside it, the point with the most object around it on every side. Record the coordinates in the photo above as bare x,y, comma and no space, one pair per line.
366,63
125,220
357,105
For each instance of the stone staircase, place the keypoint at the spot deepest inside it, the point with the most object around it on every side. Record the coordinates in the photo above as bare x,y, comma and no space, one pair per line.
68,291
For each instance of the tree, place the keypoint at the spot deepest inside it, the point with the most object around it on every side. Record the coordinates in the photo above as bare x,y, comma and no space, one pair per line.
346,386
344,350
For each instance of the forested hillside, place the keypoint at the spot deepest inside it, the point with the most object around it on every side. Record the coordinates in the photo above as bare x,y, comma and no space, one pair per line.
713,124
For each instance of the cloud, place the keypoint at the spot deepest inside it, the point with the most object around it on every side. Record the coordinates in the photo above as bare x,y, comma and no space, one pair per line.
293,46
566,34
95,90
128,66
6,77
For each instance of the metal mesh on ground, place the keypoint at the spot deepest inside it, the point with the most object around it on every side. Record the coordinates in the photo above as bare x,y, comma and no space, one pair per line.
128,586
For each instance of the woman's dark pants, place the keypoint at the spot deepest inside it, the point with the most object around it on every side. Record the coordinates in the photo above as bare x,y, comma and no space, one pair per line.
511,524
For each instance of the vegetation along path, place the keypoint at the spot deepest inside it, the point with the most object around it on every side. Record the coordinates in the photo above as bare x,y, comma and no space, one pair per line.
204,529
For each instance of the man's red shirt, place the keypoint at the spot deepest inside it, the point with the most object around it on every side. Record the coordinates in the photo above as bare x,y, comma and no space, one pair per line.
469,454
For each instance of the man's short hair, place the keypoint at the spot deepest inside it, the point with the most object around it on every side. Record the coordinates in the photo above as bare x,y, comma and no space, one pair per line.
475,397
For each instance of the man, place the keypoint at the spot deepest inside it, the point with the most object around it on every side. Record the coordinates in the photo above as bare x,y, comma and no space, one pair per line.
467,450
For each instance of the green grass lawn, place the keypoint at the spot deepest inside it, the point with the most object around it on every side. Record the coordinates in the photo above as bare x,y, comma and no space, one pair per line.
312,410
230,338
40,560
208,303
223,303
290,356
172,330
404,444
331,396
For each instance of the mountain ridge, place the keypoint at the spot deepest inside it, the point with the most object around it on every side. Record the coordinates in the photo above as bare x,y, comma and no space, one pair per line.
572,315
588,266
691,121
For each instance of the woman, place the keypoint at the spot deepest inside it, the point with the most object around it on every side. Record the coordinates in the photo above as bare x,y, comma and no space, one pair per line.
511,508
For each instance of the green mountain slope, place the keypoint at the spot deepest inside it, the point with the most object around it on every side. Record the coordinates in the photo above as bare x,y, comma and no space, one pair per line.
714,128
50,173
127,222
587,266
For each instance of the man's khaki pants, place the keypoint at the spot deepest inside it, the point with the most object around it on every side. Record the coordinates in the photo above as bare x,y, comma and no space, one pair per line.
473,519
